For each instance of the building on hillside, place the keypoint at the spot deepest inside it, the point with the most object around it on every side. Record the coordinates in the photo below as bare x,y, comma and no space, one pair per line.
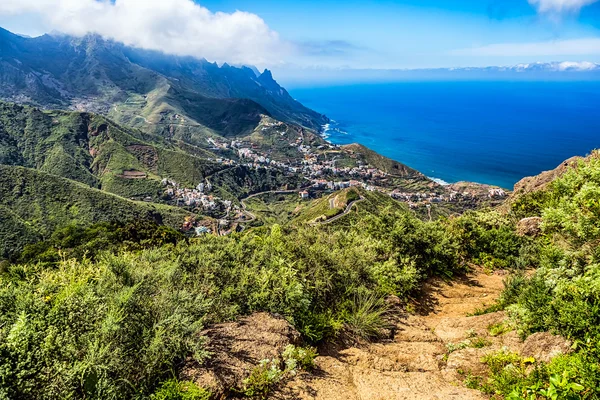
201,230
304,195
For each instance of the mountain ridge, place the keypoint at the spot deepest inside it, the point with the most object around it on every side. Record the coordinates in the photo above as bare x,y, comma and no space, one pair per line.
93,74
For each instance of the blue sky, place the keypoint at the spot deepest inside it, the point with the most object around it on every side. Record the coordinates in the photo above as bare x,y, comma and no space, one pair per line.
420,33
350,34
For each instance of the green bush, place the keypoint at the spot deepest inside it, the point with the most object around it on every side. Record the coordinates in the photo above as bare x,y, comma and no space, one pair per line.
176,390
115,323
563,295
269,373
299,357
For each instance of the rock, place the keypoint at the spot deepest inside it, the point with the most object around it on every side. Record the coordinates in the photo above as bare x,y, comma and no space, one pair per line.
544,346
237,348
529,226
468,360
541,181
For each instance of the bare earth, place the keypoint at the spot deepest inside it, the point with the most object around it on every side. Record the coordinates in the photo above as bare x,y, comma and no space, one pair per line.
412,365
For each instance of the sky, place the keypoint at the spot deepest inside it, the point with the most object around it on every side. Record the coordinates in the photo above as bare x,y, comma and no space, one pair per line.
287,35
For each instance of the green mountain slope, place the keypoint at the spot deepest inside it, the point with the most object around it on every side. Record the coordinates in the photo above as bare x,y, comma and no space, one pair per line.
385,164
93,150
172,96
33,204
364,203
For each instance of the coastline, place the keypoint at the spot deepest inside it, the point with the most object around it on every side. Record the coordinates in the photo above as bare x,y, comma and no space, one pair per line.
488,132
325,135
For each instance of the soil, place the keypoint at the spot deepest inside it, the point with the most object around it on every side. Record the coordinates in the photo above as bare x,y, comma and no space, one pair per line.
414,363
237,348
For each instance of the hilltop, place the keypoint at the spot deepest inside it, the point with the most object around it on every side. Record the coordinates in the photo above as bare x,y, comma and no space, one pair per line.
179,97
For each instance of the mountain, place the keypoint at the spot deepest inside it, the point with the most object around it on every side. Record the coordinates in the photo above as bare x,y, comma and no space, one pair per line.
34,204
93,150
180,97
59,168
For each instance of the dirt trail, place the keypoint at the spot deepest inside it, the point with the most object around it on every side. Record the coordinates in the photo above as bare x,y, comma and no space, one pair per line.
413,365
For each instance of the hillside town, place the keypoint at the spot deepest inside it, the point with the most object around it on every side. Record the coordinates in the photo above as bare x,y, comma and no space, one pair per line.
320,166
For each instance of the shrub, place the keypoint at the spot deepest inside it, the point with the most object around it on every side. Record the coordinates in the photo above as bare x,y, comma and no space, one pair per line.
263,378
365,318
498,329
176,390
299,357
269,373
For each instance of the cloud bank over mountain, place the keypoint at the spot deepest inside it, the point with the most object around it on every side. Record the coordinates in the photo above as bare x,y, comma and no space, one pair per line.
179,27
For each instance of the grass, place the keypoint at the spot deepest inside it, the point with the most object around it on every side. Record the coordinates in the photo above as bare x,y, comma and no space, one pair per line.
276,209
366,318
39,203
486,310
498,329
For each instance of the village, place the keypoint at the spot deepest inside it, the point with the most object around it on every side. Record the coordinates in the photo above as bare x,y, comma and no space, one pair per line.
318,165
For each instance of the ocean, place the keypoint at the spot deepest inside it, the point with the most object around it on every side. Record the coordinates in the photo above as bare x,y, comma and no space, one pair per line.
486,132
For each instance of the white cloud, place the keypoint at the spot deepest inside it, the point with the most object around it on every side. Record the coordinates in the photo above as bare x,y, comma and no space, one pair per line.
179,27
573,47
560,6
577,66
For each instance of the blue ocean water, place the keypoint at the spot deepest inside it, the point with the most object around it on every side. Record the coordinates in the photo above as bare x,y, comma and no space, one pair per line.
486,132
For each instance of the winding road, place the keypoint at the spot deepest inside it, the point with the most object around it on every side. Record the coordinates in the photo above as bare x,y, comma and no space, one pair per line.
251,215
346,212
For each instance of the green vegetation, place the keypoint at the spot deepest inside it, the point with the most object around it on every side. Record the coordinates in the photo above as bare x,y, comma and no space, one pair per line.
105,320
273,209
269,373
240,181
498,329
385,164
76,241
514,378
94,306
99,153
327,207
562,296
35,204
175,390
118,326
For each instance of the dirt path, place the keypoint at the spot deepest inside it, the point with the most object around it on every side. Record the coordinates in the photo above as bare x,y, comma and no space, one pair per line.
414,364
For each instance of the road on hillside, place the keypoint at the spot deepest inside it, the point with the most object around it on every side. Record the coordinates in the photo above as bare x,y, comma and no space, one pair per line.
346,211
251,215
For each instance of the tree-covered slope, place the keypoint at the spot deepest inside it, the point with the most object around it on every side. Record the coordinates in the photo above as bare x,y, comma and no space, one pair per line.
33,204
93,150
55,143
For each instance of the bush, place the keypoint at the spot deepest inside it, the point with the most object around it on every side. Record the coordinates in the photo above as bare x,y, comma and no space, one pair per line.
563,295
176,390
299,357
269,373
365,318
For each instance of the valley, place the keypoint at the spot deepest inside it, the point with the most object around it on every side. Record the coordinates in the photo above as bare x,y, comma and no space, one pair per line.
175,229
